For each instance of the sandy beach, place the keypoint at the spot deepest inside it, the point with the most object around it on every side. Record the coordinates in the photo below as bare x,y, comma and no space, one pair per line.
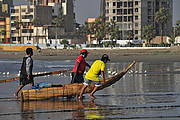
116,55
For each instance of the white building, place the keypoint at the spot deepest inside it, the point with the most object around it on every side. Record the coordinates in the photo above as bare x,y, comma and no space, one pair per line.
133,15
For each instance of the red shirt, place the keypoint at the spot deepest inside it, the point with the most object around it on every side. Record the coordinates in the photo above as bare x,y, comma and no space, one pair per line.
82,64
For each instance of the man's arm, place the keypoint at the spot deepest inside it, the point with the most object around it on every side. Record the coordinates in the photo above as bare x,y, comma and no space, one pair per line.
77,67
28,66
103,76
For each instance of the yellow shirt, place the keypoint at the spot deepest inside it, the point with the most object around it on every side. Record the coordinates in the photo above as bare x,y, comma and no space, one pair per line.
96,67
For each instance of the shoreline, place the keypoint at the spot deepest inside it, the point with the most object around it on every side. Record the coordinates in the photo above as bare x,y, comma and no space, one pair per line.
116,55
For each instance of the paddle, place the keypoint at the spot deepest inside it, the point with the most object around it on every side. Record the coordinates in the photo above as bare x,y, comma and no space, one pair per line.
36,75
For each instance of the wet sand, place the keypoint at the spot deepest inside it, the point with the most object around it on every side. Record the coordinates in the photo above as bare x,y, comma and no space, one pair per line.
116,55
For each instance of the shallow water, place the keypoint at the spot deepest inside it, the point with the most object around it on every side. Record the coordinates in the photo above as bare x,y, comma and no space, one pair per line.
149,90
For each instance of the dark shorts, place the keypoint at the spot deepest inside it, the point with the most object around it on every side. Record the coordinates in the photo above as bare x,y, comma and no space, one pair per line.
78,78
25,81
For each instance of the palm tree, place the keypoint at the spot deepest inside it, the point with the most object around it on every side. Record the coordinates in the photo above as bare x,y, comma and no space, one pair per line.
17,26
99,28
172,38
148,33
89,29
129,35
175,32
162,18
45,30
59,22
177,28
113,31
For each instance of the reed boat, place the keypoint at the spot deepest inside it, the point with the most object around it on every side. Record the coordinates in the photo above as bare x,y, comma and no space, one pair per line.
68,89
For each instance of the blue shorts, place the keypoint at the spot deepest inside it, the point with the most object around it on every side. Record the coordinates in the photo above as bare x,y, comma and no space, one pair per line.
88,82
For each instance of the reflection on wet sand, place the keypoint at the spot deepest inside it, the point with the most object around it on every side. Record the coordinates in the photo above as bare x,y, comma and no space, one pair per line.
80,109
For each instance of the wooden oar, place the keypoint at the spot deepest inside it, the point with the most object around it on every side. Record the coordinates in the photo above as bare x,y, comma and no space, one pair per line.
36,75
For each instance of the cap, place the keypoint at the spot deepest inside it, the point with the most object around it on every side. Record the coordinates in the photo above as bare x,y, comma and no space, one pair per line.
84,51
105,57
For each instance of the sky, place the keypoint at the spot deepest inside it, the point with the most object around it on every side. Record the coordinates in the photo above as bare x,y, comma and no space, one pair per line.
91,8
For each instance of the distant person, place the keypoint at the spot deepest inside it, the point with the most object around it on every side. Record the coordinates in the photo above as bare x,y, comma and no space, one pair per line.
79,67
26,76
92,75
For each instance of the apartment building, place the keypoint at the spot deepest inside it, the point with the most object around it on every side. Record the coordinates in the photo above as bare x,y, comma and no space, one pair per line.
27,23
132,15
5,20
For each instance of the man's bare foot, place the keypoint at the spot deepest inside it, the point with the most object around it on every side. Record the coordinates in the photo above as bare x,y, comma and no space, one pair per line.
15,94
80,97
92,96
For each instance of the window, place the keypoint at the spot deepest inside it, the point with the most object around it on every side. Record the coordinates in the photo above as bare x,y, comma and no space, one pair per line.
136,9
136,17
130,26
130,11
119,4
119,18
136,24
27,30
130,18
165,4
149,11
149,18
114,18
125,4
16,10
157,4
107,11
107,4
23,10
130,4
125,11
136,31
114,3
125,18
149,4
119,11
14,17
27,16
13,31
12,10
136,2
114,10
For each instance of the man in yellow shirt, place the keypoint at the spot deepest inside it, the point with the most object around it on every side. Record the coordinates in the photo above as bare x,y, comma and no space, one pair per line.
92,75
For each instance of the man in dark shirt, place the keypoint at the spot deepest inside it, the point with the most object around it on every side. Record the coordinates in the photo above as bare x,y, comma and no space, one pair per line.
26,76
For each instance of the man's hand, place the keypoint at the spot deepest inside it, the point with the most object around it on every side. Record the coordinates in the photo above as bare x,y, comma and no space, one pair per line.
103,81
75,73
28,77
